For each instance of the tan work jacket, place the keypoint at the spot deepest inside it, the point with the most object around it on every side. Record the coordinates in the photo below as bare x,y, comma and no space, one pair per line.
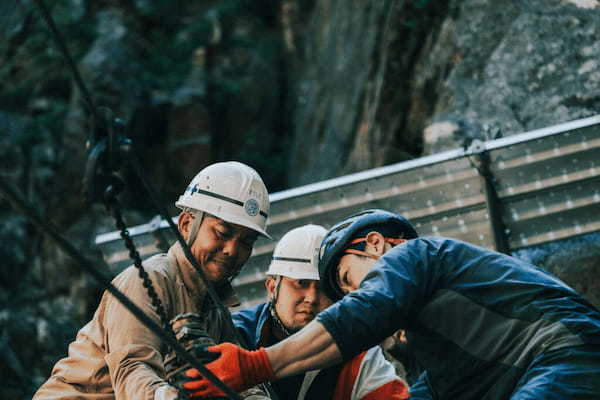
114,356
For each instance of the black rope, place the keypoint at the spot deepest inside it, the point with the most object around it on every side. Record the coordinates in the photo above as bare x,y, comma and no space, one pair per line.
49,229
65,51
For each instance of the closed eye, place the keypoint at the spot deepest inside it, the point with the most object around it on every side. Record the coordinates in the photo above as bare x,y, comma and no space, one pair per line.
222,234
247,243
249,240
343,279
303,283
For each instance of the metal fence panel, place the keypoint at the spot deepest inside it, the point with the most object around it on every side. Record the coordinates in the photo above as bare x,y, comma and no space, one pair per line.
547,183
550,186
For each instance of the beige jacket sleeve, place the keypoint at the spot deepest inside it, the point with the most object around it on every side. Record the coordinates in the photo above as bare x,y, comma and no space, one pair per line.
134,355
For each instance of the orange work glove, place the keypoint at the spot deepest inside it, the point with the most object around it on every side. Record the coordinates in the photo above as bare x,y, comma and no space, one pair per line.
238,368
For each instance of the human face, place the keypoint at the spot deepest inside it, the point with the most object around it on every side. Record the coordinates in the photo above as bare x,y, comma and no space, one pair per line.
352,269
298,302
221,248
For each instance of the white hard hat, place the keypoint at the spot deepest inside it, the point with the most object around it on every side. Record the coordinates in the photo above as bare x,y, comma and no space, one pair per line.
231,191
297,253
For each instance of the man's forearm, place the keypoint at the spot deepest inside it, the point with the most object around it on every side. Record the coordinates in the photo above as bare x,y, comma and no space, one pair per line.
311,348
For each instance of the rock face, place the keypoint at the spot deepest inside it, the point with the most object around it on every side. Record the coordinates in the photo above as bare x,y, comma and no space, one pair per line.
354,87
403,76
516,66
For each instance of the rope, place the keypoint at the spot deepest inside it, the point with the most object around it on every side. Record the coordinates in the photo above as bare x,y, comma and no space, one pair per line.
65,51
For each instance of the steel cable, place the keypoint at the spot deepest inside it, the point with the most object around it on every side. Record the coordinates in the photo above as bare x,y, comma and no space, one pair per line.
67,55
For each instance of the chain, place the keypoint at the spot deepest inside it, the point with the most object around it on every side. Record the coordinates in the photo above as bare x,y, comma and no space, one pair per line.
112,203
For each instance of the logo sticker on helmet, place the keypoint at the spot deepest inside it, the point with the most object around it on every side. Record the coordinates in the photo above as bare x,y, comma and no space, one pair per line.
251,207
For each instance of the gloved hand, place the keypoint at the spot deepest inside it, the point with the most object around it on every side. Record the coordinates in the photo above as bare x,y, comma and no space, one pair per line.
238,368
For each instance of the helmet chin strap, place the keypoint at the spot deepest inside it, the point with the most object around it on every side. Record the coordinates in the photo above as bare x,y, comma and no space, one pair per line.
278,325
392,241
197,217
335,278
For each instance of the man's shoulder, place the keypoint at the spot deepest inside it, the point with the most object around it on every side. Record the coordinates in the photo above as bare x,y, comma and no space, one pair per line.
159,263
435,246
437,242
250,322
249,315
157,266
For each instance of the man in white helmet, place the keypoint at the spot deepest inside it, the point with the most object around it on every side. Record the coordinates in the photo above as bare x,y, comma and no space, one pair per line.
114,356
295,300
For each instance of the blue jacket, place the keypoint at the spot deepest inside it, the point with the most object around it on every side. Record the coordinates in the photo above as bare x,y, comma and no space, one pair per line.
475,318
251,322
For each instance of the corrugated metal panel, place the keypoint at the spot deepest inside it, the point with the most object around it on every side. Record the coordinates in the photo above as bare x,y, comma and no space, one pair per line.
550,186
547,181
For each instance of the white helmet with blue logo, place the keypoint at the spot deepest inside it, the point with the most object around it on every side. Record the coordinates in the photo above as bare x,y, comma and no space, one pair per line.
231,191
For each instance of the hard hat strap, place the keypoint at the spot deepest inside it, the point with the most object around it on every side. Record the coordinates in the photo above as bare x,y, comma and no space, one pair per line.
392,241
278,279
197,217
361,253
278,323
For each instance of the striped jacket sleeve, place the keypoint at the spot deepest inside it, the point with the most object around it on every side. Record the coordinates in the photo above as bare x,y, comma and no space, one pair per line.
369,376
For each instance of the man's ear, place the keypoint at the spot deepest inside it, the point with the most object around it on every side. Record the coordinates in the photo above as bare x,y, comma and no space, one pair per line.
184,222
270,286
375,243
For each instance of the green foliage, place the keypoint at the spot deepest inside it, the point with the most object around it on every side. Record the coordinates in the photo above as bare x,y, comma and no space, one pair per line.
32,63
13,252
419,4
31,340
415,13
169,54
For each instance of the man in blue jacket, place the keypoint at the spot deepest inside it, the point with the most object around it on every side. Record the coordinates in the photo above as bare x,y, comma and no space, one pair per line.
483,325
